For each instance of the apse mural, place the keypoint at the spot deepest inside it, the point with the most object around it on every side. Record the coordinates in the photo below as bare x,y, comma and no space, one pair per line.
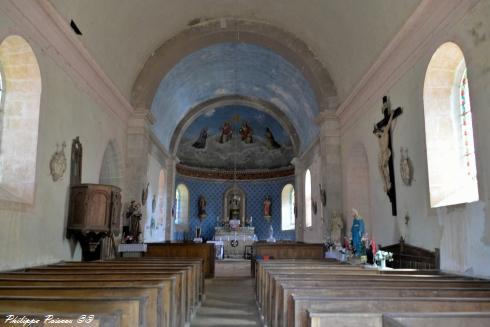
235,136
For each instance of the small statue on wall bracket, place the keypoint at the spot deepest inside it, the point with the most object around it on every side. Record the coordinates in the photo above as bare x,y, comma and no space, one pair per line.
144,194
314,207
406,167
201,207
76,162
57,164
267,208
323,195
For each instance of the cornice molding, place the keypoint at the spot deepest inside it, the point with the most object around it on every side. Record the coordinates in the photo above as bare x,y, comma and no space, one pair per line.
229,175
40,20
425,27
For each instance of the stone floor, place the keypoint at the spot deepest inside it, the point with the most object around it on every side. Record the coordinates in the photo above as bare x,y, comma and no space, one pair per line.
232,268
229,302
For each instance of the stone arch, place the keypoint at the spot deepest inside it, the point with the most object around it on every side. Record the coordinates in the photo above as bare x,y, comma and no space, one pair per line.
212,32
258,104
357,187
111,170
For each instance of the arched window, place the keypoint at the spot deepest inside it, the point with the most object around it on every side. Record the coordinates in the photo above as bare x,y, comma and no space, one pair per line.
287,205
20,99
181,205
308,202
449,129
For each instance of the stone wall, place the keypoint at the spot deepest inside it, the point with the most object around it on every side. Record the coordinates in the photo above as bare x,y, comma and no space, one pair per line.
35,234
462,232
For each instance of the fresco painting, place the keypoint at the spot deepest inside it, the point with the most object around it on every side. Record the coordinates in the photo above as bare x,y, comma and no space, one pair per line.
235,136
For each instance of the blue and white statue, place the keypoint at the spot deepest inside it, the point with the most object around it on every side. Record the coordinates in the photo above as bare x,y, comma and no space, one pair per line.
357,231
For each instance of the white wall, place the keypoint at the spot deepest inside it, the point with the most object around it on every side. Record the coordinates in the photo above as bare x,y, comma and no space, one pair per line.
461,232
32,235
156,234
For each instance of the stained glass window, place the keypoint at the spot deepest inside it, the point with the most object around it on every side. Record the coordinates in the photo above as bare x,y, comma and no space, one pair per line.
467,127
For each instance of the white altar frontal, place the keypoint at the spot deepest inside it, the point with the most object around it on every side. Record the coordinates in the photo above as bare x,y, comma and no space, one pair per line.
235,240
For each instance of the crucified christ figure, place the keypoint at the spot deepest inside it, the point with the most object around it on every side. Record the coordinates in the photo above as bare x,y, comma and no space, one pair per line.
384,156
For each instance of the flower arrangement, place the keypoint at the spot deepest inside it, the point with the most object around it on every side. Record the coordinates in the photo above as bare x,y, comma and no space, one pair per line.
383,255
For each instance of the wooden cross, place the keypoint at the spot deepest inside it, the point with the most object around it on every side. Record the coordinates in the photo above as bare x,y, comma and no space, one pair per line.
382,130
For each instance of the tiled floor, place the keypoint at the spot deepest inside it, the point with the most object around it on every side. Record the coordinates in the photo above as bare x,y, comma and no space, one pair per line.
229,302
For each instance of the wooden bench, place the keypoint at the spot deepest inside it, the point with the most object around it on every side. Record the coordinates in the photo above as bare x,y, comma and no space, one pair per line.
412,319
184,249
182,311
191,288
298,316
109,273
128,308
62,319
286,290
164,298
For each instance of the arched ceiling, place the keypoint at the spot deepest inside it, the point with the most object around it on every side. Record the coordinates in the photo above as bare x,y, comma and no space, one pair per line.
346,35
240,69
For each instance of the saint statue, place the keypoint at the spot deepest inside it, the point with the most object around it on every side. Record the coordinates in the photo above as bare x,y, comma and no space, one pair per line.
336,225
201,210
201,141
134,215
384,156
357,231
267,206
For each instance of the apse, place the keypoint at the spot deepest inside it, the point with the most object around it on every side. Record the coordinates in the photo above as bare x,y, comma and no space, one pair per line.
235,69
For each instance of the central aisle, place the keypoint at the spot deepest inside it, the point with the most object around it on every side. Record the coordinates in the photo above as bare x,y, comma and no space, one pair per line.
229,302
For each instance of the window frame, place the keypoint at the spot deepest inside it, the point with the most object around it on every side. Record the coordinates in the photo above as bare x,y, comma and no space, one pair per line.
287,209
182,205
308,200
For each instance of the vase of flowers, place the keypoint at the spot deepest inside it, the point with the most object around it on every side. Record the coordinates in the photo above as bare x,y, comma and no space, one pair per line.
381,257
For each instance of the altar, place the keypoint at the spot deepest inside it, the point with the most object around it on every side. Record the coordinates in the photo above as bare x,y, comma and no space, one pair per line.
235,240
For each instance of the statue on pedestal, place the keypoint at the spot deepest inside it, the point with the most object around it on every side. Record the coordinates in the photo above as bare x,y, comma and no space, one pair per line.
134,215
336,225
357,231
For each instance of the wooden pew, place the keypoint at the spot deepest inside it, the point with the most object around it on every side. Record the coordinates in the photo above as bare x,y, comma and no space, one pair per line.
183,306
298,316
129,308
196,283
204,251
282,284
366,292
62,319
178,314
321,274
163,289
412,319
150,311
191,284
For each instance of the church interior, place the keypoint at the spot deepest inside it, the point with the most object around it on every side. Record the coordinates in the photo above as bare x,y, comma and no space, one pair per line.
244,163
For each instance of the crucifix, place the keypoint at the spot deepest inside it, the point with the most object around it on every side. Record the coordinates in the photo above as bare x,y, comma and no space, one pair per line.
382,130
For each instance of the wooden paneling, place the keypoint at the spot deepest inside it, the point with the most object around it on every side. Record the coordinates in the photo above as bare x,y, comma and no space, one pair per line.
287,250
185,250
